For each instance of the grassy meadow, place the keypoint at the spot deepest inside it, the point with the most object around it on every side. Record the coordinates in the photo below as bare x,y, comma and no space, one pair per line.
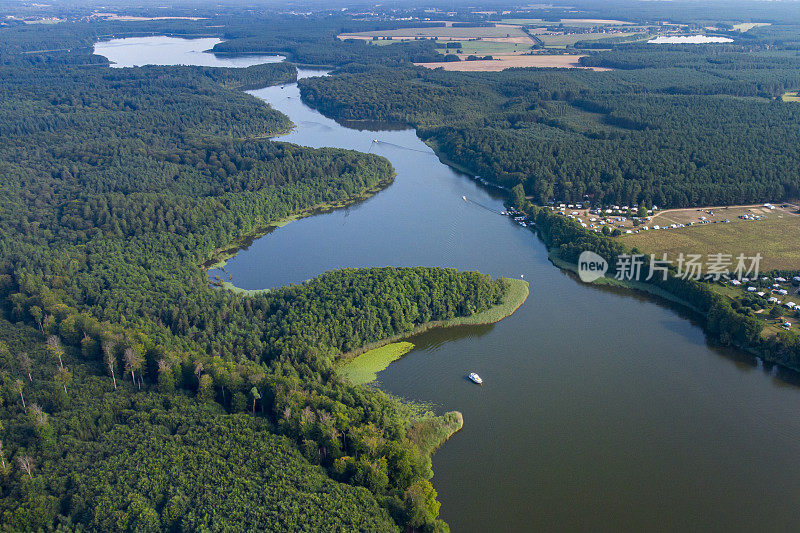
443,32
564,40
776,238
482,48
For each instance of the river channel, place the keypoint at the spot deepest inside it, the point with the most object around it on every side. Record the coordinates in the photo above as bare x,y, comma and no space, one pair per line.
601,409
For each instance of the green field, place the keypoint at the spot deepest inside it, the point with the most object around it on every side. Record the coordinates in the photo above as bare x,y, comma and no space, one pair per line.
383,42
562,41
566,22
776,238
482,48
443,32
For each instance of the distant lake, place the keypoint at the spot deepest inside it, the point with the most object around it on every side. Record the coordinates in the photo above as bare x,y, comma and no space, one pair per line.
601,410
136,51
689,39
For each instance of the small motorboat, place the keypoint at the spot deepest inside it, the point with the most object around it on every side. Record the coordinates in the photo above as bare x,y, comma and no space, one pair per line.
464,198
375,140
475,378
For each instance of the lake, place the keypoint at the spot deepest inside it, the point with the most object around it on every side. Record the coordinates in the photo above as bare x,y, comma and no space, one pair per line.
137,51
601,409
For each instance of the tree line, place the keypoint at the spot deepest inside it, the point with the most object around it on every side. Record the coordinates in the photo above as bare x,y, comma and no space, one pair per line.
118,185
698,129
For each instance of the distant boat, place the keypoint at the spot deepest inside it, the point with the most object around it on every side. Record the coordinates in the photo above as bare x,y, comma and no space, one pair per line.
475,378
375,140
464,198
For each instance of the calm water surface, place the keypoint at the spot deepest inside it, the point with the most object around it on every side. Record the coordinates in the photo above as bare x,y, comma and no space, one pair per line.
600,410
137,51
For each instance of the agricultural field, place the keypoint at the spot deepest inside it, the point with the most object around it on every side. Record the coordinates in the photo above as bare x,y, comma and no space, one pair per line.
567,22
569,39
747,26
502,42
482,48
446,33
508,61
776,236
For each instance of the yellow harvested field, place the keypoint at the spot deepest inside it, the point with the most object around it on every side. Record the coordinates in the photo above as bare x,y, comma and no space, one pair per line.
502,62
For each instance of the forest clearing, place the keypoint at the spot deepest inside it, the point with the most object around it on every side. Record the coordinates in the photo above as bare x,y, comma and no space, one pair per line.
776,236
502,62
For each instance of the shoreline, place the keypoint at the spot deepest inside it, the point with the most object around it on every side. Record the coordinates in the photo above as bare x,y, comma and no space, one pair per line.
633,286
560,264
651,290
218,258
648,288
517,294
429,432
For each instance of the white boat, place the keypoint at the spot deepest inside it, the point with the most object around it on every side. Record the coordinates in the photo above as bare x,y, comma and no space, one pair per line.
464,198
475,378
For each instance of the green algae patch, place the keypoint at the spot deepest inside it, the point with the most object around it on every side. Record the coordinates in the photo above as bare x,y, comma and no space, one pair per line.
365,367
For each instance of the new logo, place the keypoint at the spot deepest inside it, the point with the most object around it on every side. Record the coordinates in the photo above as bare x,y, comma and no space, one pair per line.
591,266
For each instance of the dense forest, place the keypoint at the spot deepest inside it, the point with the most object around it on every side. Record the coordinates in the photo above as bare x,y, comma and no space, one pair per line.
134,396
314,42
117,185
84,452
671,127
